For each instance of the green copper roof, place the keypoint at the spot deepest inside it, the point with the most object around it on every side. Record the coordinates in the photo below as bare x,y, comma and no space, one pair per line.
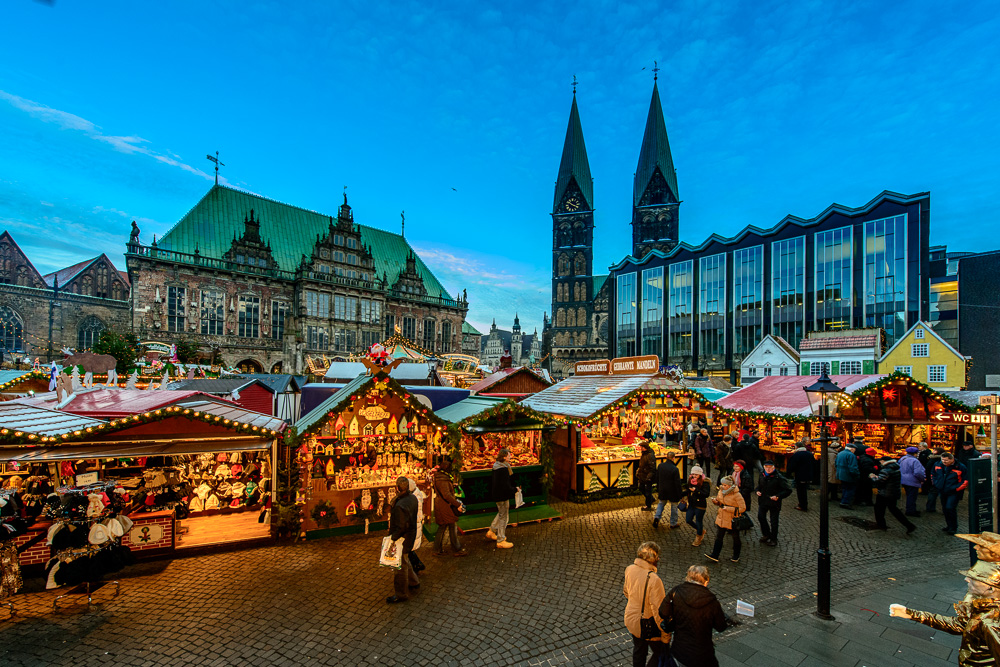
655,152
469,329
574,164
291,232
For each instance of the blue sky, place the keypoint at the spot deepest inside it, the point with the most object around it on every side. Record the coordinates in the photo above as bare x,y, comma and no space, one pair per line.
456,113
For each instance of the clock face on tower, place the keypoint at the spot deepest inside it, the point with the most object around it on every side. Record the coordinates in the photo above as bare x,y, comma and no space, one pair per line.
573,203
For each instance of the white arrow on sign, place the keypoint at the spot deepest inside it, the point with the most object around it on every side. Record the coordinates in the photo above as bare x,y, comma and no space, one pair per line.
961,417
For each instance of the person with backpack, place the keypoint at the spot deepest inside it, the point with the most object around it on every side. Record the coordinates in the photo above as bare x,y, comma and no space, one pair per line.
772,488
731,505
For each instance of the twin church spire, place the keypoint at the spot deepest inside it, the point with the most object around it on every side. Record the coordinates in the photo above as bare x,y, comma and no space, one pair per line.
655,197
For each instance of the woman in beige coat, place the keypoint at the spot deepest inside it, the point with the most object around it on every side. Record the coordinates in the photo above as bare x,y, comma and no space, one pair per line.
731,505
640,579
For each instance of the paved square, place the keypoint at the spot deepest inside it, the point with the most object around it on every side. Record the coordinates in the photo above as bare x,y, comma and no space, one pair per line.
554,599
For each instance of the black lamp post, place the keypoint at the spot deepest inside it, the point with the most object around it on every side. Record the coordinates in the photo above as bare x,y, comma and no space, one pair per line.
822,395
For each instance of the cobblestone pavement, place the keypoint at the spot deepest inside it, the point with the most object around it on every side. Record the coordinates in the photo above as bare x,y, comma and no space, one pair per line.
555,598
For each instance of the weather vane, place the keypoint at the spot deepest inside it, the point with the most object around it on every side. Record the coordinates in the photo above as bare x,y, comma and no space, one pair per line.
402,217
217,165
656,71
574,84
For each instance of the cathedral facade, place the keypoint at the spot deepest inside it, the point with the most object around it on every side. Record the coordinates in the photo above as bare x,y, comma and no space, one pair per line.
578,327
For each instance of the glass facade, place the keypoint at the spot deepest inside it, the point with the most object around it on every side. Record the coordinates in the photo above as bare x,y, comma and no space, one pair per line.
712,305
834,264
625,315
679,320
748,299
652,311
885,276
788,289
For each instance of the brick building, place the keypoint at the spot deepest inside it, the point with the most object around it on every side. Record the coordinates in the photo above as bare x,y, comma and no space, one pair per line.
262,284
41,314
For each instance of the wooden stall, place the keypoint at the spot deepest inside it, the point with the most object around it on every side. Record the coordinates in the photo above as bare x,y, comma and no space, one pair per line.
355,445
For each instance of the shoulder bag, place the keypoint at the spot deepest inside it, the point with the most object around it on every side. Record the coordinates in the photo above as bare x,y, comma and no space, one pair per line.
647,626
742,522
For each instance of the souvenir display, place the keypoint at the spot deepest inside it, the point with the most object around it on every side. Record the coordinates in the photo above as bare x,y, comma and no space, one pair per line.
480,451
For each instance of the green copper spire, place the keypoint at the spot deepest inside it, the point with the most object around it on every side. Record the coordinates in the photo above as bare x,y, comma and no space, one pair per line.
574,165
655,155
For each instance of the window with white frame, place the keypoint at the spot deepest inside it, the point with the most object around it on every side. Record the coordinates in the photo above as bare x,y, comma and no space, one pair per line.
937,373
751,372
918,334
920,350
850,368
783,370
818,367
904,369
767,371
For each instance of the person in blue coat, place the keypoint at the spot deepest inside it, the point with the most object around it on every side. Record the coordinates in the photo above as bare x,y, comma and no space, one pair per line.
913,475
847,475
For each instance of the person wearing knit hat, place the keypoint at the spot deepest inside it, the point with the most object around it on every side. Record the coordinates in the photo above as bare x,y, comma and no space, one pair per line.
866,467
913,474
697,488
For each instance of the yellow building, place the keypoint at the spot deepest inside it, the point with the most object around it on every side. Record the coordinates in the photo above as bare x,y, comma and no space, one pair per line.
925,356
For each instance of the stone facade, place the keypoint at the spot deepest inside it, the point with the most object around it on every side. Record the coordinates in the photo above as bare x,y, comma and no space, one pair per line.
40,315
471,340
245,309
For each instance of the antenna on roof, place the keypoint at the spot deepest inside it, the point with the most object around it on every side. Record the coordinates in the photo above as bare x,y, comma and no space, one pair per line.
402,230
217,165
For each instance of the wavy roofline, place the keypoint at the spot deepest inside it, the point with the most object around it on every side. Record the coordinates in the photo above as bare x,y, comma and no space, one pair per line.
885,195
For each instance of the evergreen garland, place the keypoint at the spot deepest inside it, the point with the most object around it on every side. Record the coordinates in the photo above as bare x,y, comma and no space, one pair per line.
547,460
286,517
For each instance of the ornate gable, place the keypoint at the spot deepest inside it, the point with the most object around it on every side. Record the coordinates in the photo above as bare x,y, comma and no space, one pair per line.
409,281
97,278
15,267
341,251
250,249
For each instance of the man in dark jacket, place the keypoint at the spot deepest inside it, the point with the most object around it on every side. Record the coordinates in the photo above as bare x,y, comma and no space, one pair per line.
695,612
704,451
748,452
866,467
966,452
800,467
951,478
503,492
403,523
932,493
888,489
668,482
646,474
724,457
771,490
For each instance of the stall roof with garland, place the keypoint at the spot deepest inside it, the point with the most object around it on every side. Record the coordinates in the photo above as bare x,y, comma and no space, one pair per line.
470,407
339,400
116,403
17,419
582,397
501,375
9,378
970,399
784,395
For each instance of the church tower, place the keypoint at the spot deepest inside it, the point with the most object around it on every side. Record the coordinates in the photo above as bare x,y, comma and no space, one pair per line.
654,194
516,341
572,245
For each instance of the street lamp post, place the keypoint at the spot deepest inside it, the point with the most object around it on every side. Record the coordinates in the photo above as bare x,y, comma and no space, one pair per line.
822,394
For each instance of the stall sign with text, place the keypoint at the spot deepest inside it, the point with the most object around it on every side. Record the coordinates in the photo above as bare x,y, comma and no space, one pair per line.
621,366
961,418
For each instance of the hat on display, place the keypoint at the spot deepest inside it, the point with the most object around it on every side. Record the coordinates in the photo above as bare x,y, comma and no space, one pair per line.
871,451
212,503
697,470
236,469
912,450
53,529
235,502
238,489
125,521
95,504
221,458
197,504
98,534
114,527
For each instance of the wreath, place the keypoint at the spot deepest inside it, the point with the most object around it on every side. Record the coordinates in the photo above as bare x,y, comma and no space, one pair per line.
325,514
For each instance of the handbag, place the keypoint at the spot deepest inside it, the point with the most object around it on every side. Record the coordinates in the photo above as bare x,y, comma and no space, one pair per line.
742,522
682,506
647,626
391,552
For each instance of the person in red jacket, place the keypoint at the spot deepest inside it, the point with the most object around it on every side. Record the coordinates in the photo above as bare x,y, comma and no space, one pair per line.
950,479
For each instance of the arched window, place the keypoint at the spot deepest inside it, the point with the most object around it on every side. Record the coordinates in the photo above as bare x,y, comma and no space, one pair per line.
583,292
571,318
563,265
87,286
88,333
581,317
446,336
11,331
250,366
103,288
579,234
580,264
23,276
116,291
564,236
560,317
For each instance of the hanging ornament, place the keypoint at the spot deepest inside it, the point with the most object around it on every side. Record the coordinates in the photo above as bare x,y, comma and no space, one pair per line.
352,509
339,424
353,428
393,426
380,429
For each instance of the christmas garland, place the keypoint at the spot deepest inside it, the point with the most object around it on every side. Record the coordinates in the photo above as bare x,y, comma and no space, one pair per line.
28,375
547,460
286,512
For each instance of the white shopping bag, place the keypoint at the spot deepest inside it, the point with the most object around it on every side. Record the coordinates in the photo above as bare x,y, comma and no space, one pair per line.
744,608
391,552
518,499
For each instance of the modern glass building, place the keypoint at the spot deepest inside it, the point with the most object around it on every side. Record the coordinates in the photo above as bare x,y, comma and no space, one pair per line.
705,307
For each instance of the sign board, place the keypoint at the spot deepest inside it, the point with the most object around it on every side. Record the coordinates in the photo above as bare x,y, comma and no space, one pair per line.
622,366
86,478
965,418
980,495
635,365
154,346
992,399
595,367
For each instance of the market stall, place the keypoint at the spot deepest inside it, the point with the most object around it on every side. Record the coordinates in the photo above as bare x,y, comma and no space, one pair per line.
197,474
18,383
480,428
607,408
354,445
518,382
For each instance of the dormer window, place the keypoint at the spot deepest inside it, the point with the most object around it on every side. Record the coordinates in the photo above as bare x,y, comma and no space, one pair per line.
338,239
